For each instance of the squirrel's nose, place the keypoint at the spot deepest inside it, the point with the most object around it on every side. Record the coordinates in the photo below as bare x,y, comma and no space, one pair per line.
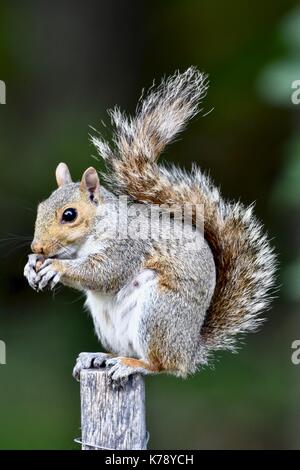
37,248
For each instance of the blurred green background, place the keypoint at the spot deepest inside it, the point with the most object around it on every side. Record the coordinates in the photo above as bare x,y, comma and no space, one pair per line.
64,63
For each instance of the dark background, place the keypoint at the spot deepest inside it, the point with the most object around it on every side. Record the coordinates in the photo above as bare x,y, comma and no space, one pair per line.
64,63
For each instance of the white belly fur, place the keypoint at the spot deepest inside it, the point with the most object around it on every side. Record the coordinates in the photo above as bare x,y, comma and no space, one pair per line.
117,317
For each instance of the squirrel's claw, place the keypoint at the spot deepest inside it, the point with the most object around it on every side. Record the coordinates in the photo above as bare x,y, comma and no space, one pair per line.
30,271
47,276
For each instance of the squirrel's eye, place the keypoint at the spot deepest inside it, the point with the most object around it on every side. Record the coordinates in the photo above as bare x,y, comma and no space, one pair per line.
69,215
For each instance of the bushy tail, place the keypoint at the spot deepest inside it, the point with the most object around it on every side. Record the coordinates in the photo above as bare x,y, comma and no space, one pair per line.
244,260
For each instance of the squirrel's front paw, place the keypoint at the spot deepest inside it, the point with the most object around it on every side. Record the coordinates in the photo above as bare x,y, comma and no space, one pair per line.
31,268
47,276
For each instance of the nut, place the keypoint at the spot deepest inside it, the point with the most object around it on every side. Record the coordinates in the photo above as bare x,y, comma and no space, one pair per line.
39,263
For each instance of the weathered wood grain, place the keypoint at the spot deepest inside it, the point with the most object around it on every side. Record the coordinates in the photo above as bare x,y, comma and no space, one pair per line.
112,419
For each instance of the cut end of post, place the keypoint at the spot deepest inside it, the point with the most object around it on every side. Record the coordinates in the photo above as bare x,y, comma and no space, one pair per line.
111,418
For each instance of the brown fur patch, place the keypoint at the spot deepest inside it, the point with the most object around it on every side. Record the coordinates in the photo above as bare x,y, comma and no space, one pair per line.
160,356
155,356
137,363
163,266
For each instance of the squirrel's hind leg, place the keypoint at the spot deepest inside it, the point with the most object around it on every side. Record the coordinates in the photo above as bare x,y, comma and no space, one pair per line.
121,368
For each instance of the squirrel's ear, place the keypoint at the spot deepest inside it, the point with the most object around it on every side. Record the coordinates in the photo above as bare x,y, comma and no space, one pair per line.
63,175
90,183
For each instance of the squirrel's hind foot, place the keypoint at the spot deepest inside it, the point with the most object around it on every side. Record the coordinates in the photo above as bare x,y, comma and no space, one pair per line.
122,368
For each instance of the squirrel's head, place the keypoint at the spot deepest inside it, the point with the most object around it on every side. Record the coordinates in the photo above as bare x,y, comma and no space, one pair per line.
64,219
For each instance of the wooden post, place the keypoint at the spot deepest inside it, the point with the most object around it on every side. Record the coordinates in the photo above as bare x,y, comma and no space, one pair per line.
112,418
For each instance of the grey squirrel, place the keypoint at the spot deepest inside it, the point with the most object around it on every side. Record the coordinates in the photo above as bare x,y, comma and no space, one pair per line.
158,304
